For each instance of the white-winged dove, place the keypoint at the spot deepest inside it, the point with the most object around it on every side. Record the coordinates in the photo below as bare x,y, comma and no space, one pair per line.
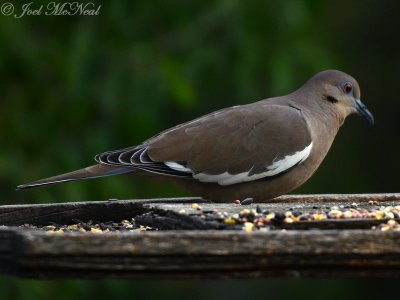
259,150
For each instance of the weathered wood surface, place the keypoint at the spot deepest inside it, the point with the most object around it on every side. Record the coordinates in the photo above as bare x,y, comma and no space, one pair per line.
204,254
350,249
41,214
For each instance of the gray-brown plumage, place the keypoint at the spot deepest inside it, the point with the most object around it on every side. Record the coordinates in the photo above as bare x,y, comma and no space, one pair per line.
259,150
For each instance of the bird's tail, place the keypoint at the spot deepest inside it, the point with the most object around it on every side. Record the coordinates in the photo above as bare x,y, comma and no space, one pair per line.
94,171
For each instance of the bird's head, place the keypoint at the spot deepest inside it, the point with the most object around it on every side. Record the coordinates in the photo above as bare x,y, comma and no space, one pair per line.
339,92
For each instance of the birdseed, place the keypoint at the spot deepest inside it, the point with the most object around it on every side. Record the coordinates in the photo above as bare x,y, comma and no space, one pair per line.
246,219
247,201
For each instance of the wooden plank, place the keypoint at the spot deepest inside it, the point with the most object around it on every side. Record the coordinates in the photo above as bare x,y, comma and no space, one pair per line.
212,243
318,198
42,214
216,254
344,248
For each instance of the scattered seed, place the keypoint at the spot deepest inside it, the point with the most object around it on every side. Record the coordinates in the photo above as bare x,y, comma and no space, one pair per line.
248,226
335,214
373,202
279,217
196,206
319,216
248,219
270,216
230,221
247,201
244,212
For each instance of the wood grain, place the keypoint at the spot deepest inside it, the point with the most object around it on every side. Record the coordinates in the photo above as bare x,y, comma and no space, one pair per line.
339,248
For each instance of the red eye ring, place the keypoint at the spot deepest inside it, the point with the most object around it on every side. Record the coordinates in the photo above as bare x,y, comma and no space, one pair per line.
347,88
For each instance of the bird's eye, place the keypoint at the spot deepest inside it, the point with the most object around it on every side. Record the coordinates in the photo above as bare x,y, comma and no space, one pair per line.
347,88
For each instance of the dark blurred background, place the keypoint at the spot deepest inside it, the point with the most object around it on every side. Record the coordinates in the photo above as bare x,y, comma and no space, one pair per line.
75,86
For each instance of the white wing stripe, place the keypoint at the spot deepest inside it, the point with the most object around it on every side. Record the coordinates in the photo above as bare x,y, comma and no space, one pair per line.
227,179
177,167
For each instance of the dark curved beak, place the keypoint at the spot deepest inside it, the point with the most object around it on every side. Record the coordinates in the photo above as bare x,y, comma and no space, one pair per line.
363,111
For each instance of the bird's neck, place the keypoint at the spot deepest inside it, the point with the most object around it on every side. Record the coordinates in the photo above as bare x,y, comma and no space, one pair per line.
323,121
324,116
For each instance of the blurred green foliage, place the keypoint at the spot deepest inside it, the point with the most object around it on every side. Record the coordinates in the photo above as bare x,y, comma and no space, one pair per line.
74,86
310,289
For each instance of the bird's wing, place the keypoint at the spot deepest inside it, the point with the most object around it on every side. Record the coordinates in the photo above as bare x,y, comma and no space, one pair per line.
227,147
